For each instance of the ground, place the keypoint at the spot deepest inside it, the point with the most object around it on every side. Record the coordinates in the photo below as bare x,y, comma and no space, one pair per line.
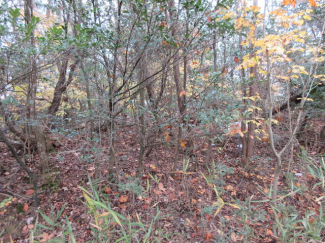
219,202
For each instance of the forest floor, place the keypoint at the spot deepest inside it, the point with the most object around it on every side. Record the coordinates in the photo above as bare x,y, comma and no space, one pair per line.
232,206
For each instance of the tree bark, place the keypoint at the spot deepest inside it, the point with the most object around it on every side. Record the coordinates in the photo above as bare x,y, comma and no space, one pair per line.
22,164
62,85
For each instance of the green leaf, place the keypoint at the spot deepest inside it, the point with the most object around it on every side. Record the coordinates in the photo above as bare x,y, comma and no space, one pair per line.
14,13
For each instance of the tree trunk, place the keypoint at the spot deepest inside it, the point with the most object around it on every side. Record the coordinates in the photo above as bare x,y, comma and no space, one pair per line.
142,132
61,85
33,126
22,164
180,92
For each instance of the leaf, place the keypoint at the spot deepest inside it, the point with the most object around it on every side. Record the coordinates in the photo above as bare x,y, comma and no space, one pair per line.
312,3
306,17
161,187
208,236
26,207
182,93
165,43
108,190
289,2
153,167
30,192
47,237
269,232
279,118
233,236
123,198
236,59
167,136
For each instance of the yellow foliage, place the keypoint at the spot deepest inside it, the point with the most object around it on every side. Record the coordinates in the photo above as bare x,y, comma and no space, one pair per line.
307,17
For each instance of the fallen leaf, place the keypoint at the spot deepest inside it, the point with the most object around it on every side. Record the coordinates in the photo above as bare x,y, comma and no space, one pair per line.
173,197
157,192
234,236
153,167
30,192
26,207
161,187
122,206
269,232
208,237
229,188
108,190
123,198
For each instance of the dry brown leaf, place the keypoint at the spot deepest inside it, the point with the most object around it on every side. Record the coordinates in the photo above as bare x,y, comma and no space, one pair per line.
161,187
234,237
269,232
123,198
30,192
108,190
26,207
208,237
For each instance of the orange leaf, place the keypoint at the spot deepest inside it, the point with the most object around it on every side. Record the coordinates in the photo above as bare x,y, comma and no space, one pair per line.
289,2
208,237
269,232
123,198
236,59
153,167
161,187
30,192
165,43
312,3
265,139
26,207
122,206
182,93
108,190
279,118
167,136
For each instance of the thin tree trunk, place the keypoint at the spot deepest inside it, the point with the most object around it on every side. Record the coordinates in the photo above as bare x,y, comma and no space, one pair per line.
142,132
62,85
180,92
22,164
